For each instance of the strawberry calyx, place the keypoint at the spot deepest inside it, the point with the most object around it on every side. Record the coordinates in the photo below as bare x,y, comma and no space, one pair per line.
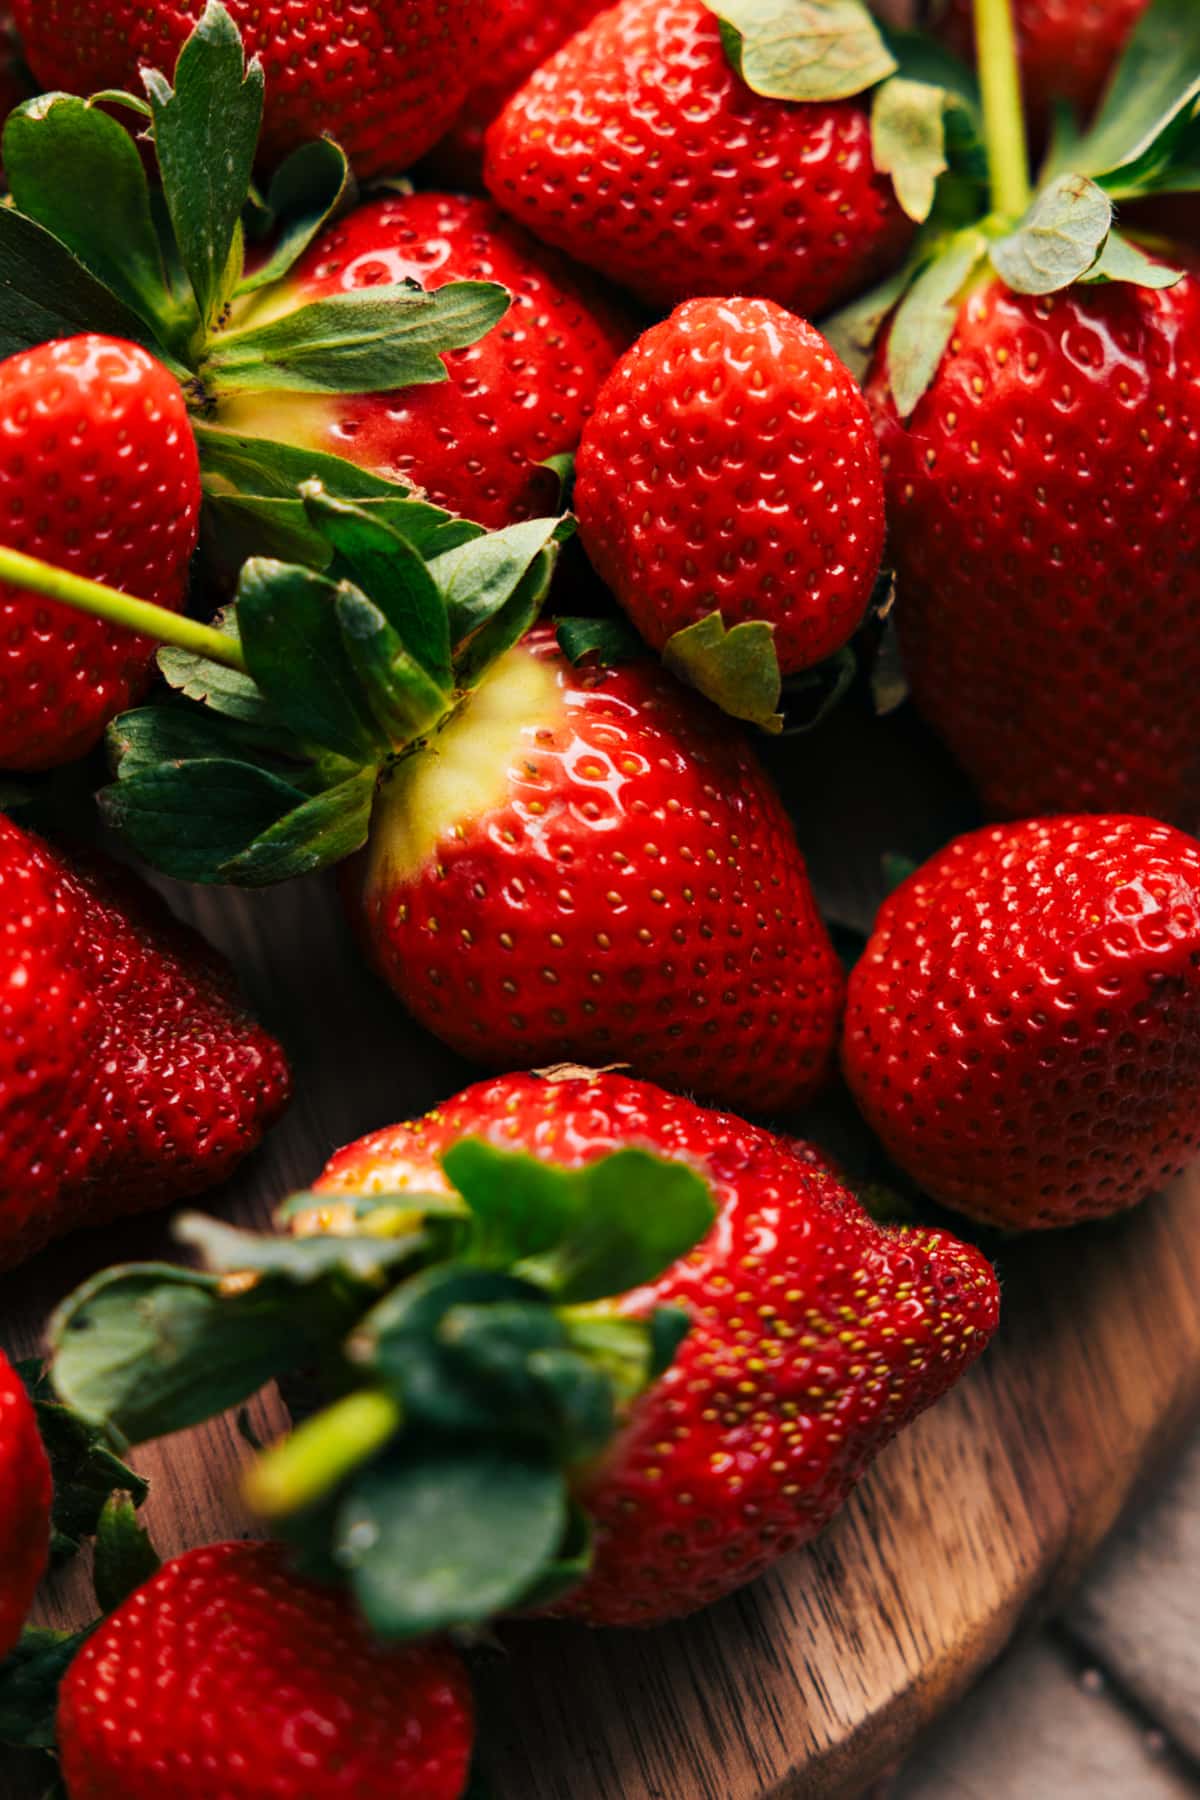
166,266
468,1341
1144,140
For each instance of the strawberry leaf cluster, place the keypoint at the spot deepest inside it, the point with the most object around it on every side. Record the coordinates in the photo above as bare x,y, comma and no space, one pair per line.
470,1348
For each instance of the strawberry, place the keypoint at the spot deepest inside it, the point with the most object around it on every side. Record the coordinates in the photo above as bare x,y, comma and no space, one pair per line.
637,149
128,1072
1047,546
592,865
24,1506
1067,48
530,32
101,477
246,1680
815,1335
1023,1030
731,467
385,80
474,443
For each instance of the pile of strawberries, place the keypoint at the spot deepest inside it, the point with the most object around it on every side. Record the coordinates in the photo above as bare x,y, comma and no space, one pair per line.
463,531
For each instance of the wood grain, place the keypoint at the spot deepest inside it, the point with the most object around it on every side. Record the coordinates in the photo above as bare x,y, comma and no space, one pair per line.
812,1681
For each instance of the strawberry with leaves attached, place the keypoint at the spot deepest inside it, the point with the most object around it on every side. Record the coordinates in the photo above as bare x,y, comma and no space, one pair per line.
433,344
624,1351
553,859
384,80
1036,391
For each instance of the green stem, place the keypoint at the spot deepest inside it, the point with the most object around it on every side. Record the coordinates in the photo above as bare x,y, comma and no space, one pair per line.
101,602
1003,113
300,1469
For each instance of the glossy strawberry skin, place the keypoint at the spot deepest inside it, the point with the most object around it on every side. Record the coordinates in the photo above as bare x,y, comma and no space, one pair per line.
385,80
1023,1030
1067,48
637,149
816,1334
530,31
731,464
129,1074
25,1493
245,1681
1047,546
474,443
634,892
100,476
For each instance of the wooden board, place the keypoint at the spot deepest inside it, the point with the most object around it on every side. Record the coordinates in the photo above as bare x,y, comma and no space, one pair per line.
812,1681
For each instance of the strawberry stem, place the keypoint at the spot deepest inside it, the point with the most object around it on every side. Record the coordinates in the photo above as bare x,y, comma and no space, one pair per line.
101,602
1003,112
300,1469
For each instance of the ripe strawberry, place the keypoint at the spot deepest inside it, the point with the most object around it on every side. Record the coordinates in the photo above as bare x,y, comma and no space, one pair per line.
816,1334
731,465
24,1506
129,1074
245,1680
591,865
1047,546
1023,1030
100,476
473,443
384,80
638,150
1067,48
530,32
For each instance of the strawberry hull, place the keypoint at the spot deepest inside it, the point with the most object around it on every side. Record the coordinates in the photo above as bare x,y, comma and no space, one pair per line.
815,1334
589,865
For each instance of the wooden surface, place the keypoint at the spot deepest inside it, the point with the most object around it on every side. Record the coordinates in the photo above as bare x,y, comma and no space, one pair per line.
809,1683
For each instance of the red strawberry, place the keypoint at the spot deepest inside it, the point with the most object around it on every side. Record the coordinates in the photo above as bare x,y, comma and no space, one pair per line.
474,443
731,465
1047,544
100,475
1023,1030
1067,48
816,1334
384,80
244,1681
24,1506
592,865
637,149
530,32
128,1072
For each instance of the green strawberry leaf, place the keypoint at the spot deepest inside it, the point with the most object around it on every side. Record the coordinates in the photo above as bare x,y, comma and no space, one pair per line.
86,1472
1121,260
809,698
913,126
853,330
735,667
562,467
149,1348
393,572
925,319
191,820
306,192
295,650
367,341
519,1205
226,1250
403,699
211,684
631,1352
1058,240
449,1536
508,625
803,49
1148,105
46,293
478,579
205,137
610,641
150,735
105,220
321,832
125,1557
29,1681
889,682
